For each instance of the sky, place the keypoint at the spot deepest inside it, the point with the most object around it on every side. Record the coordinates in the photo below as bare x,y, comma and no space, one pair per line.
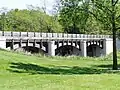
22,4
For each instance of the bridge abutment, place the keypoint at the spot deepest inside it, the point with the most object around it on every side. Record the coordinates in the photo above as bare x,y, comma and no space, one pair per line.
2,43
107,46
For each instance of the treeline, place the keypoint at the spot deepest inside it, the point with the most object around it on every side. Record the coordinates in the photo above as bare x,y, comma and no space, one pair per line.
34,20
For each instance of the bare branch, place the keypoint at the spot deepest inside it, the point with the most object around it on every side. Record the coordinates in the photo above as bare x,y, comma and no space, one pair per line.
118,28
115,2
93,15
118,17
100,6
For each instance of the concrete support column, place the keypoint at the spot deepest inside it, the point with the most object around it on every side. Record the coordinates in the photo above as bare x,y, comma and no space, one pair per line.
67,42
40,45
84,48
72,45
20,43
46,47
12,45
79,46
63,43
76,43
107,46
51,48
34,43
2,43
27,45
58,44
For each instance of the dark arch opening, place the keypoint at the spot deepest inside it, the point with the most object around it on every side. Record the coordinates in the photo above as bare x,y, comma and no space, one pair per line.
33,50
66,50
93,50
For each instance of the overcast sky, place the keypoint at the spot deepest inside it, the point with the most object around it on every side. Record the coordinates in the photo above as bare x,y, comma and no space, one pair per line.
22,4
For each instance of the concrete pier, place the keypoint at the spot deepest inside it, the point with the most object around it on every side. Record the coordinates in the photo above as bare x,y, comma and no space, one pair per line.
51,48
84,48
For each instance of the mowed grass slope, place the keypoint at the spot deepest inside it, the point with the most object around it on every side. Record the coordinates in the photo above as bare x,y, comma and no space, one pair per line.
22,72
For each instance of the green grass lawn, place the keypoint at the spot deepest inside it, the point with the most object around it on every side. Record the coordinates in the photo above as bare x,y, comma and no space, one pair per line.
22,72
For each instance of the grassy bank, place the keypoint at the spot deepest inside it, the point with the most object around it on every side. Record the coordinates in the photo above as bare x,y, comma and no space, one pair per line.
22,72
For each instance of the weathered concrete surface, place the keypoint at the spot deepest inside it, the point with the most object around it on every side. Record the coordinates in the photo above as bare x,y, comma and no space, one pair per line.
118,44
2,43
107,46
35,41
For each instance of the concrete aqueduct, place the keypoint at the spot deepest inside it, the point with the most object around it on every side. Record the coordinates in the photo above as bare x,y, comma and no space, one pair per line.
57,43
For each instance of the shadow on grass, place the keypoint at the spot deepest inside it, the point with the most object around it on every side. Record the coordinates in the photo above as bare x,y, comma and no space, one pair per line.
108,66
64,70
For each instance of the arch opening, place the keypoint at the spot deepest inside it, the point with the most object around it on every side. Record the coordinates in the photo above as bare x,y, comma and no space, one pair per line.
67,50
31,49
94,50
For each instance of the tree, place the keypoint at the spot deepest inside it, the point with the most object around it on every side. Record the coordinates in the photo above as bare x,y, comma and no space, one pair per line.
72,18
76,20
106,12
110,8
114,30
2,23
33,19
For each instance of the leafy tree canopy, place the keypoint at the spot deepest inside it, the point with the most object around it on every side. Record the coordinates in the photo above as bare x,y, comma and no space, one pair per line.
29,20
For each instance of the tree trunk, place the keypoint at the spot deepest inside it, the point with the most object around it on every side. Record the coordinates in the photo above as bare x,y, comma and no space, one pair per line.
115,67
114,51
